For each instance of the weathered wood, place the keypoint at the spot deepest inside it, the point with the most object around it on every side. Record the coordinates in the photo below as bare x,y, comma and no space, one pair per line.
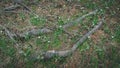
51,53
35,32
10,8
79,19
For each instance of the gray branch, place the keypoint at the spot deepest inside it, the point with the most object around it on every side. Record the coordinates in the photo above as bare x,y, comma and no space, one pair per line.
13,7
51,53
35,32
9,34
79,19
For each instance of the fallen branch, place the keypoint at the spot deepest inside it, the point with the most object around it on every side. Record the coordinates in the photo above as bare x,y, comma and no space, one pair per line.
51,53
73,22
10,8
23,35
11,12
35,32
9,34
18,4
78,19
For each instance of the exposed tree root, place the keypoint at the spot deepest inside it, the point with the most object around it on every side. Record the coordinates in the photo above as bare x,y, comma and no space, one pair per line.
79,19
33,32
9,34
18,4
51,53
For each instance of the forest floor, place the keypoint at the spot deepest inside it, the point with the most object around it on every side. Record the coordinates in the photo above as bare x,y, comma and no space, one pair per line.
100,50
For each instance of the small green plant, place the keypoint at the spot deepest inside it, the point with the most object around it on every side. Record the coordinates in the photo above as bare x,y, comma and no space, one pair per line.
37,21
60,21
22,16
27,37
84,47
100,52
95,20
117,34
43,42
6,48
56,42
94,62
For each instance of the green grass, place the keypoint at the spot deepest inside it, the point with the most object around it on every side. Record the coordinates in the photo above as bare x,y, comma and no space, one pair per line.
22,16
7,49
84,47
117,33
101,53
56,35
60,21
42,42
37,21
